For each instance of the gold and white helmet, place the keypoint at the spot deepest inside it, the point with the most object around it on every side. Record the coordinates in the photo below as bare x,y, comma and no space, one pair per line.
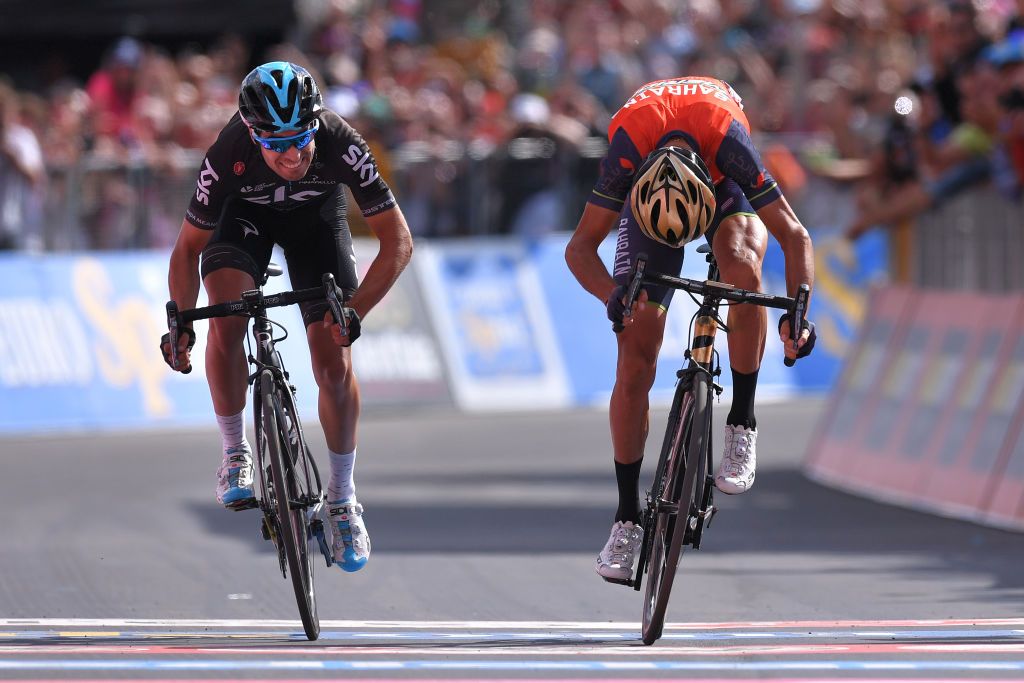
673,198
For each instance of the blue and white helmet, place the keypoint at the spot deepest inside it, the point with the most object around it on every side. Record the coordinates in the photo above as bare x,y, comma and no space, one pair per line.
279,97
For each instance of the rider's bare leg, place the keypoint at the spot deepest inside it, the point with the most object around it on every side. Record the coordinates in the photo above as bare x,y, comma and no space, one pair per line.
739,246
338,401
226,368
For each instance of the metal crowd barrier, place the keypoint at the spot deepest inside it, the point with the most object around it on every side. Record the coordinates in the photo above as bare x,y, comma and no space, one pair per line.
975,241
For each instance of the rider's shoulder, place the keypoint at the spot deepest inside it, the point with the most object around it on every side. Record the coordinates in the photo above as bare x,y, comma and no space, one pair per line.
233,138
334,125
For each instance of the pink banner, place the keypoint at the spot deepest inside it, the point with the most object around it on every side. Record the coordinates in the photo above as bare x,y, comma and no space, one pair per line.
937,423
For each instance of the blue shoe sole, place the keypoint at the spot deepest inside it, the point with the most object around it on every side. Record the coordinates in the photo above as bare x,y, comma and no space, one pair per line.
239,499
352,566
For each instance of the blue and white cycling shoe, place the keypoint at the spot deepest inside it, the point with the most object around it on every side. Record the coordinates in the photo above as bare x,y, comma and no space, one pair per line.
235,481
350,543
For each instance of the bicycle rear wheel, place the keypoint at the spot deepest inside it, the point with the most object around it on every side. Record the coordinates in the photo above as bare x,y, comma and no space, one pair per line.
291,512
679,493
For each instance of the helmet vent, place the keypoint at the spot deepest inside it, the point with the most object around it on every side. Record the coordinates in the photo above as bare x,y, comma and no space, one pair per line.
673,198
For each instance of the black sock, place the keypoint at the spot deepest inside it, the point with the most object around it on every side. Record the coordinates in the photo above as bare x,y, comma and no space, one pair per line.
743,389
628,479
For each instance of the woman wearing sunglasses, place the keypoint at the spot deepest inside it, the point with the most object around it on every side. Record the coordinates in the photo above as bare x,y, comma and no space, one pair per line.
277,175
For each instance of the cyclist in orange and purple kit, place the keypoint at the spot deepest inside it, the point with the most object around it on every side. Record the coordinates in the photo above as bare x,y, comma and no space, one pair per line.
681,165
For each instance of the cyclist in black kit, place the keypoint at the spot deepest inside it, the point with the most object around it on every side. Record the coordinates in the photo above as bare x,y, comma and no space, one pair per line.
277,175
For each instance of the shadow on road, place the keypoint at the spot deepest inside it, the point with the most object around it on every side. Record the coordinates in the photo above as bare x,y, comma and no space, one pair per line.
785,513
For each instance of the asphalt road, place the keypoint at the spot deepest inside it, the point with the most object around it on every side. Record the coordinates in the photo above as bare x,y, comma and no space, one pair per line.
485,529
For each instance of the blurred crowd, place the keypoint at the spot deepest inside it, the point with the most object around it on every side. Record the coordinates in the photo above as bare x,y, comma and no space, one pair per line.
490,117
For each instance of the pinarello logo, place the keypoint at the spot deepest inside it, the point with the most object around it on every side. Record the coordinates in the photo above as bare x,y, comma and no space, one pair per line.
239,168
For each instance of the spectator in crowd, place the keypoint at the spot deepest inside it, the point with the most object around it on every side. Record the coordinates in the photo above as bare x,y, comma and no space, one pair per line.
434,92
925,169
114,91
529,170
22,176
1007,58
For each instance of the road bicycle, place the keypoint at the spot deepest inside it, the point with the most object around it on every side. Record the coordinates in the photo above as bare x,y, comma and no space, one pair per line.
680,502
290,492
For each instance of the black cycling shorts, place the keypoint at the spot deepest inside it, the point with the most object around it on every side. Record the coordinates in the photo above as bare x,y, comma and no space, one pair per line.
661,258
315,240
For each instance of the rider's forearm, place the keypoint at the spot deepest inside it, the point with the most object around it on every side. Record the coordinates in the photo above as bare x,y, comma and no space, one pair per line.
183,280
183,274
799,255
392,258
792,236
589,270
581,252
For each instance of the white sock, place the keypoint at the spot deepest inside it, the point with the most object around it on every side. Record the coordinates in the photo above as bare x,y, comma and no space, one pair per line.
342,485
232,430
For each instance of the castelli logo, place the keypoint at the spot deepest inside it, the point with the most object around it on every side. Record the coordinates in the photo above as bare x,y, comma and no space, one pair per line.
239,168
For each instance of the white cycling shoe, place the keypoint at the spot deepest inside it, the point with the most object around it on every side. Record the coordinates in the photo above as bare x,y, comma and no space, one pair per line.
616,560
235,479
350,542
739,460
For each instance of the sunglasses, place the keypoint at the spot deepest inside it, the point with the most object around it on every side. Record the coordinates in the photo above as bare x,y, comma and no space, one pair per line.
281,145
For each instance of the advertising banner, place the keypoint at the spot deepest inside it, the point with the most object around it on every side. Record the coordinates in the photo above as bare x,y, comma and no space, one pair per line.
80,341
919,392
968,439
80,338
490,308
833,452
397,359
1003,424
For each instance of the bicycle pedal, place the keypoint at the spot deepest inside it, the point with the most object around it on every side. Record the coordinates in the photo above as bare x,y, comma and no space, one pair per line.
316,530
709,514
243,504
621,582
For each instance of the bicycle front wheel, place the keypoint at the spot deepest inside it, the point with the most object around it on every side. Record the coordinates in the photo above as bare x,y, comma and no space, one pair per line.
679,493
291,510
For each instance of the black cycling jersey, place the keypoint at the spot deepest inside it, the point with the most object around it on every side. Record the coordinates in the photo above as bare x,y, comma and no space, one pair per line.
250,208
234,168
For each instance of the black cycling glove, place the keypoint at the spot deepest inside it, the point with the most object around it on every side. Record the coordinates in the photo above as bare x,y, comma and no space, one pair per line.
616,308
806,349
166,339
352,322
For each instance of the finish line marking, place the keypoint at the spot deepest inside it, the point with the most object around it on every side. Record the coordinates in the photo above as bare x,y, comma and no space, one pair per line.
486,665
516,680
524,637
531,651
544,625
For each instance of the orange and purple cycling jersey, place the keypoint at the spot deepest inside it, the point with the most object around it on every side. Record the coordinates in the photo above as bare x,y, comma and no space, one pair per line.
708,114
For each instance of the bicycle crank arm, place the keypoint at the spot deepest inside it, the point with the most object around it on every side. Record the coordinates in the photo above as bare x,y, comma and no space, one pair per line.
707,515
668,508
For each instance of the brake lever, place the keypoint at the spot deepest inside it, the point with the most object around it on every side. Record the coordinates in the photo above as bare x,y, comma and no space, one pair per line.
173,325
796,320
634,285
335,302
